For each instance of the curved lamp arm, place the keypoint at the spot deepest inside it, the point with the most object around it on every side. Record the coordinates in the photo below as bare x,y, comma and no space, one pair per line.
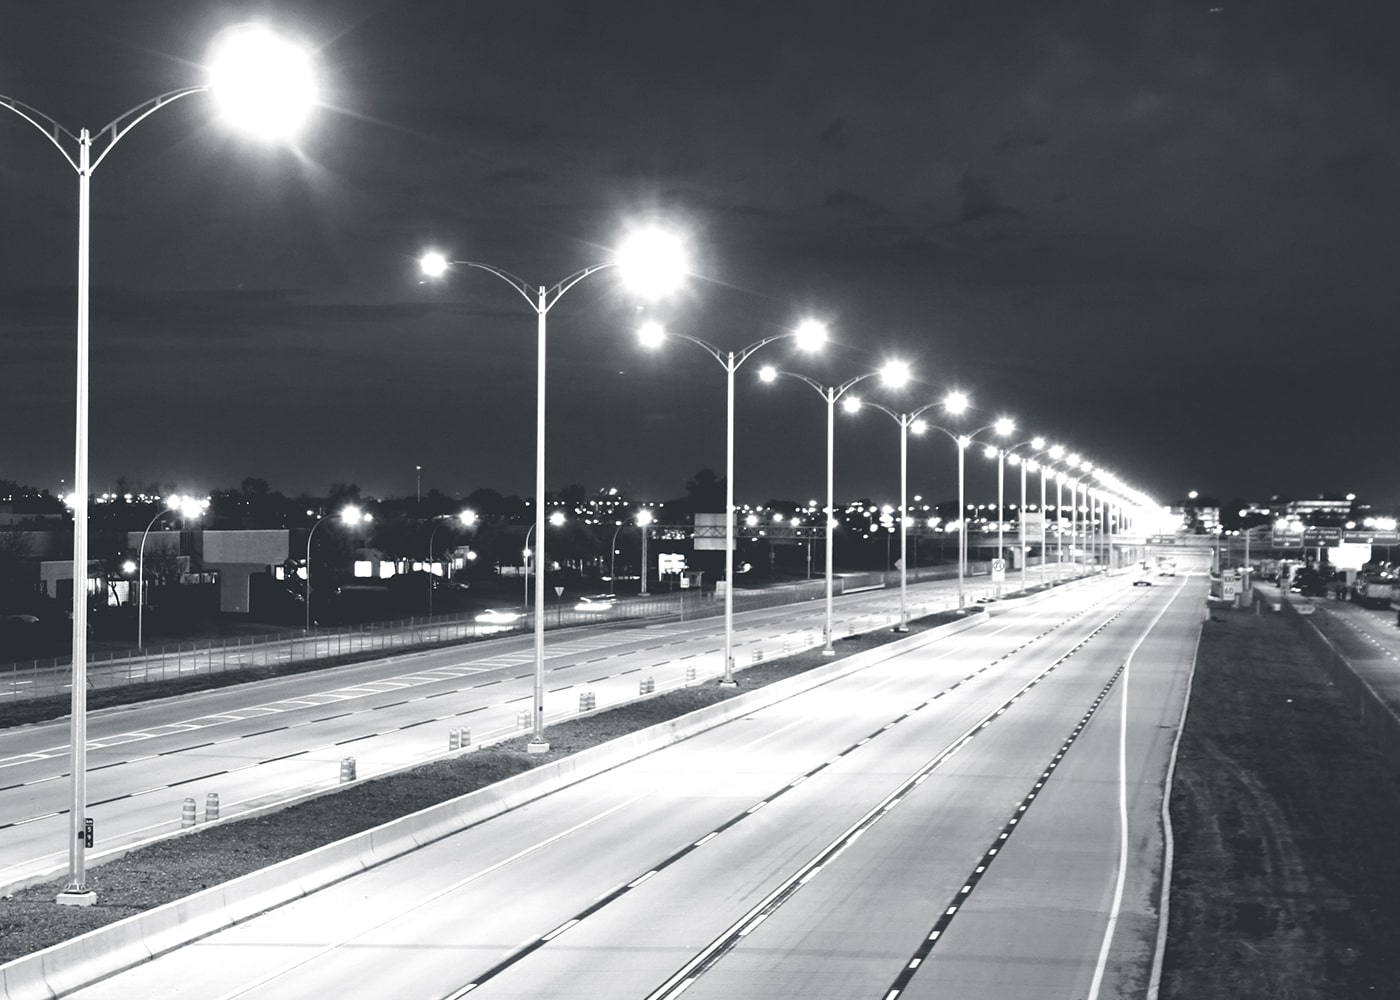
114,130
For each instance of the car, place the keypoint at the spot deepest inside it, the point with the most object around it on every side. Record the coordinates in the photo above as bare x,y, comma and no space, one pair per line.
500,616
598,604
1142,581
1167,572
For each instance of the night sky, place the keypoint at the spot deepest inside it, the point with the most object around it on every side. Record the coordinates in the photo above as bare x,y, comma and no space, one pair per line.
1161,233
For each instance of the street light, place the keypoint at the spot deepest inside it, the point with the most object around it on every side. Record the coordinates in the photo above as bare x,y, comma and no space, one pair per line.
894,374
649,261
1038,443
955,403
350,516
466,519
263,84
187,507
1057,454
810,334
556,518
644,519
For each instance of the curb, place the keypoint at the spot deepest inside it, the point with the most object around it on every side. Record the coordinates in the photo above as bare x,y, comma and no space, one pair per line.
103,952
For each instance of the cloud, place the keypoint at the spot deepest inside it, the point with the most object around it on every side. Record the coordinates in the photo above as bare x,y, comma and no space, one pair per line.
850,201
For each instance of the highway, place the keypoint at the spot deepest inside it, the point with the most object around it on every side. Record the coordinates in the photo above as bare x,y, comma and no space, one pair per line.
977,816
258,745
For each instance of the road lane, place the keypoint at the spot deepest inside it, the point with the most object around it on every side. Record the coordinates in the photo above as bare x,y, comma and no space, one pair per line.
760,797
259,744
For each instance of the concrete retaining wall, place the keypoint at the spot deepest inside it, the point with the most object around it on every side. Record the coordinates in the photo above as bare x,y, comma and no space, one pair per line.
103,952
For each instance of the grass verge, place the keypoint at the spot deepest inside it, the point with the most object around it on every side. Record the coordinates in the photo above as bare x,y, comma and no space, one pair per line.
160,873
1286,881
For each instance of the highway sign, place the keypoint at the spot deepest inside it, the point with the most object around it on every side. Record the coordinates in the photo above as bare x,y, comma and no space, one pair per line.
998,570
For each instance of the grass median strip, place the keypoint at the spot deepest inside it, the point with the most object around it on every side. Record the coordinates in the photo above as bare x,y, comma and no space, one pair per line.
172,869
1286,881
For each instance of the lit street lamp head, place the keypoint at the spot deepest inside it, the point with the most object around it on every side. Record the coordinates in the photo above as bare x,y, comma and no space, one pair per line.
263,83
652,262
651,333
432,264
353,515
956,402
810,335
1005,426
895,374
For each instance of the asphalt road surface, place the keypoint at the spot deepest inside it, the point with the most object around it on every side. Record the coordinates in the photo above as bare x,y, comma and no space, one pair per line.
976,816
262,744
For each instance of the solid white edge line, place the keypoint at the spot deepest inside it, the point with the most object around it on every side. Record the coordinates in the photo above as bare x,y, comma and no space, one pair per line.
1154,981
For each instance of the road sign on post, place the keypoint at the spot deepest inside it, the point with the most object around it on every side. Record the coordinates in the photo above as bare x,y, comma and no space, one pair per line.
998,570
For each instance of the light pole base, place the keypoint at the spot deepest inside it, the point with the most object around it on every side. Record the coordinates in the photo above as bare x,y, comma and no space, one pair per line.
75,897
828,651
900,628
537,746
728,682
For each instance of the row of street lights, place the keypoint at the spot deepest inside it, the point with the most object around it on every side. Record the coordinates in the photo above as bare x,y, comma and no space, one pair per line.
264,84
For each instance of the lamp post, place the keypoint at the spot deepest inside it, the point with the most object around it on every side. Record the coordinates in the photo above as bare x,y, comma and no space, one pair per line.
650,261
955,403
349,515
1038,443
894,373
186,506
557,518
464,518
262,83
1003,427
644,519
810,334
1057,454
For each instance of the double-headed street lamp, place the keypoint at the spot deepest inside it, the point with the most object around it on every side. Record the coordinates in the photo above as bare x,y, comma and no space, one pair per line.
350,516
186,507
464,519
954,403
651,262
1014,457
894,374
810,335
1002,427
262,83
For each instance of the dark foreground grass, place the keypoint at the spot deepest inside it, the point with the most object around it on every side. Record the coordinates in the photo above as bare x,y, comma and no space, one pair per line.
151,876
1287,878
